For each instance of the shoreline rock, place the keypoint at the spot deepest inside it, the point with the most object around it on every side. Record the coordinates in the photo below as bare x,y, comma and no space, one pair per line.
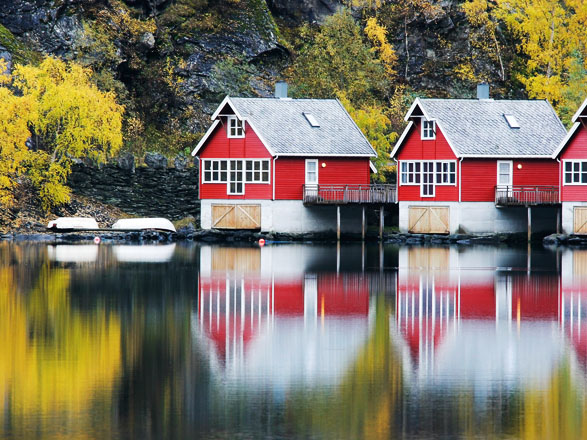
217,236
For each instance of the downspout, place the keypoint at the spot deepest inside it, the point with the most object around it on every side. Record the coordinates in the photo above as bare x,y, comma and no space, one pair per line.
396,180
274,159
560,180
460,180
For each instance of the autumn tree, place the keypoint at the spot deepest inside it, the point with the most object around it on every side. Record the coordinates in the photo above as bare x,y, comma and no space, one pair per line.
64,116
357,66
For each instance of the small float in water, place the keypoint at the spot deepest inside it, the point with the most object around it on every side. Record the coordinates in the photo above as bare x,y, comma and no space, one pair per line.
73,224
139,224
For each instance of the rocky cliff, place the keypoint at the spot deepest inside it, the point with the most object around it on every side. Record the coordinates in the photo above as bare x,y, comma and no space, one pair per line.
172,61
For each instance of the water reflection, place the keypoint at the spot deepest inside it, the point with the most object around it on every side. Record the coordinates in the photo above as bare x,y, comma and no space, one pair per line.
173,341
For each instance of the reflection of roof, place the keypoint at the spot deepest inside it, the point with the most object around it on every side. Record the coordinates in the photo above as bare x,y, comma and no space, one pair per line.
282,124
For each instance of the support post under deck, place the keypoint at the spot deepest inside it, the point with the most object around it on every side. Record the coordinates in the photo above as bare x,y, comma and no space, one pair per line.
381,223
338,222
529,223
363,225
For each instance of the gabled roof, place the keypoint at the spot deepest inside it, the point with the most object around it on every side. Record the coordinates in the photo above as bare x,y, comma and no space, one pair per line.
479,128
284,128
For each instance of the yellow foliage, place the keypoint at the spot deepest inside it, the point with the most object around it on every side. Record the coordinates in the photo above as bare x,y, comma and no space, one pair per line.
465,72
377,34
68,117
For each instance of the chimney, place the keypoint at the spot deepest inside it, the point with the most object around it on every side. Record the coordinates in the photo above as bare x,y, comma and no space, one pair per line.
483,91
281,89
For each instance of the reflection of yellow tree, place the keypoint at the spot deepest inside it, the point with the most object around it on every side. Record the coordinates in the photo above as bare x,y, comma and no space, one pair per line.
365,403
558,413
53,359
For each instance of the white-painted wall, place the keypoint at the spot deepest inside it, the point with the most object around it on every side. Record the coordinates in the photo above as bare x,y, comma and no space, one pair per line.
567,220
484,217
291,216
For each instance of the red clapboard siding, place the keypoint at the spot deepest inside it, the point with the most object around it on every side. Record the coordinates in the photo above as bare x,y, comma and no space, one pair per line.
220,146
535,172
478,180
290,174
479,176
576,149
415,148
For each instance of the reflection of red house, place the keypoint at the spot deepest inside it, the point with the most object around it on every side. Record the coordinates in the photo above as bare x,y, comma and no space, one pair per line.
432,299
232,311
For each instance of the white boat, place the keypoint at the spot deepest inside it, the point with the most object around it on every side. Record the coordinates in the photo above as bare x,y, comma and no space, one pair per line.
137,224
73,223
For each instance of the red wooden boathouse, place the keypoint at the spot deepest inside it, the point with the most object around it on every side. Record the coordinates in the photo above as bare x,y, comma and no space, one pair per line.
473,165
273,163
572,157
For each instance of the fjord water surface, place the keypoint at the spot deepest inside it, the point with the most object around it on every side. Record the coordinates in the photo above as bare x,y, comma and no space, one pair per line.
292,341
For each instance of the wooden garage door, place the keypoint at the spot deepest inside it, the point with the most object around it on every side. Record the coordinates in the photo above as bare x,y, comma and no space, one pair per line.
428,219
236,216
580,220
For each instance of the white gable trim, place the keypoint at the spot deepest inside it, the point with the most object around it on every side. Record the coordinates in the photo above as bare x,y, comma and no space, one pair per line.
416,103
506,156
567,138
206,136
224,102
401,139
372,166
578,112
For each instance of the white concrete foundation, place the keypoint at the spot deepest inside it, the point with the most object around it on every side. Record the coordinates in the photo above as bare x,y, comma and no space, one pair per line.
568,216
291,216
484,217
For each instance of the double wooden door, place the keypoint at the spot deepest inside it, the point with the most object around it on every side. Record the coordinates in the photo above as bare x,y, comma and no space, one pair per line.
429,219
236,216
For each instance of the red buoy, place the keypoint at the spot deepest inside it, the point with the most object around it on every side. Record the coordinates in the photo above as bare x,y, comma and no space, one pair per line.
261,242
97,240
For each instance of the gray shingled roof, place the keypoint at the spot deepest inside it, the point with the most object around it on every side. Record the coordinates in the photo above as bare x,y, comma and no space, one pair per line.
478,127
282,124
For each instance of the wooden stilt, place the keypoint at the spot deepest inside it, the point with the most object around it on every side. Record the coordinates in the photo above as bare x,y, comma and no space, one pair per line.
381,223
338,222
529,223
363,225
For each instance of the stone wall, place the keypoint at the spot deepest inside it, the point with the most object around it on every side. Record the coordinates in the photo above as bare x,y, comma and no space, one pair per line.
152,190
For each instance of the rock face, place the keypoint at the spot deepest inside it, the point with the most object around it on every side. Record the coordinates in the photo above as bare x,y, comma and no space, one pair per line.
304,11
144,191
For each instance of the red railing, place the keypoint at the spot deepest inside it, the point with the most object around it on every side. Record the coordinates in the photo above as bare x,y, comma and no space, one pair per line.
343,194
526,195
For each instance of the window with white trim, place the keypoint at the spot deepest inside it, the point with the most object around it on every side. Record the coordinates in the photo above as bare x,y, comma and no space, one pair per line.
215,171
446,173
575,172
427,187
257,171
236,184
428,129
410,173
311,171
236,127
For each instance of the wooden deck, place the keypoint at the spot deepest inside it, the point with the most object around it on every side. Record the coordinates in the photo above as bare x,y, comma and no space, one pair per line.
536,195
347,194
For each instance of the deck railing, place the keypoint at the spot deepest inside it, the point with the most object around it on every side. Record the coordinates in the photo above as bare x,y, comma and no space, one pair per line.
526,195
343,194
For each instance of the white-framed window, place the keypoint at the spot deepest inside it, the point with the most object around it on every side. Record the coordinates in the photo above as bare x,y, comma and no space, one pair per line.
257,171
446,173
236,172
311,171
428,129
505,173
410,173
235,128
575,172
427,186
236,184
215,171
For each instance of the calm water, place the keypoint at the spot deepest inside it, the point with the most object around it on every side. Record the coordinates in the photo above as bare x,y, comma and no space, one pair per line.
173,341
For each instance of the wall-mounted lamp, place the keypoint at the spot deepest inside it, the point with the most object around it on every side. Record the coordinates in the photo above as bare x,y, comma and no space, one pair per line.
519,166
323,164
